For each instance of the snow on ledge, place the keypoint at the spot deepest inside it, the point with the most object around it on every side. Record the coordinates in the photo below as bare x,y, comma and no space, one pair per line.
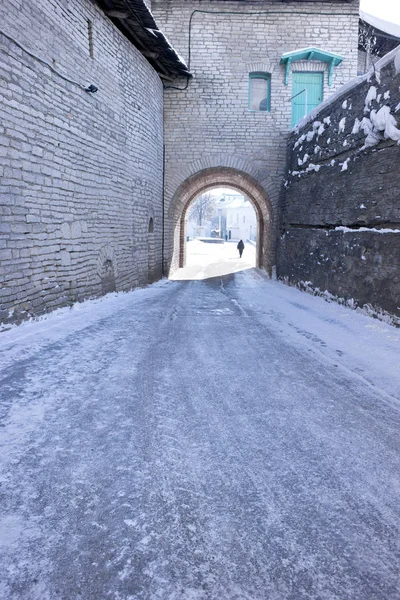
370,229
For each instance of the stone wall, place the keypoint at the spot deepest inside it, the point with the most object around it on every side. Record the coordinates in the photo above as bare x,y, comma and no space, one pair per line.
208,124
81,173
340,229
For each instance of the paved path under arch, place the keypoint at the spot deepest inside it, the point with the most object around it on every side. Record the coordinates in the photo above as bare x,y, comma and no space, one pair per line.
208,259
230,438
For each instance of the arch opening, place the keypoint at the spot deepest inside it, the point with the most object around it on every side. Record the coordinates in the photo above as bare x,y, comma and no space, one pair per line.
220,234
211,179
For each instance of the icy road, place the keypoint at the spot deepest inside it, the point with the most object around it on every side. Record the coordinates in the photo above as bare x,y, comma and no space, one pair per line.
220,439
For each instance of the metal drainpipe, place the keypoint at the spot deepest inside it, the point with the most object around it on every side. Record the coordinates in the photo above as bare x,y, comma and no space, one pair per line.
163,215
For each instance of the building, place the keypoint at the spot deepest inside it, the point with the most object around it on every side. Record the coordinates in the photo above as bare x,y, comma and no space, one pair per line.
228,125
376,38
81,187
106,137
235,217
241,222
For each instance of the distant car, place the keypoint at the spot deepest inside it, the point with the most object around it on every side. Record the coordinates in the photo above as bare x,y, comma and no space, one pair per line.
214,233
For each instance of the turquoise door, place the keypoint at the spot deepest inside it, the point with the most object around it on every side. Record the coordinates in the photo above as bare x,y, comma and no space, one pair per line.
307,93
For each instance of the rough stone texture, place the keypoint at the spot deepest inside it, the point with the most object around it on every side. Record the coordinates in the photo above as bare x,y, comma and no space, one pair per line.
81,174
208,125
344,171
359,265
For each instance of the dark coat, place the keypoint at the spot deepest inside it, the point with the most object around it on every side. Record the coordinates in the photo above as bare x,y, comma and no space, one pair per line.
240,245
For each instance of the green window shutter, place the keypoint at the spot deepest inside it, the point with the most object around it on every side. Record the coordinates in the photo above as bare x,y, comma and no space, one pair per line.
260,91
307,93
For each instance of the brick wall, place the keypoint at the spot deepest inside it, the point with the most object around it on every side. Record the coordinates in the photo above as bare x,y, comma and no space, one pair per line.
340,229
81,174
208,125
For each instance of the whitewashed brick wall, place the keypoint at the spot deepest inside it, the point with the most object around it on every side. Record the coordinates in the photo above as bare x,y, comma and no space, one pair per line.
81,174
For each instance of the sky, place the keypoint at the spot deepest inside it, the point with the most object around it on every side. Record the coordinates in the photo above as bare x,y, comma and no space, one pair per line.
388,10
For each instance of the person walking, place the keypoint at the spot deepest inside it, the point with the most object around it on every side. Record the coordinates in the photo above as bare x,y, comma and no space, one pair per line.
240,247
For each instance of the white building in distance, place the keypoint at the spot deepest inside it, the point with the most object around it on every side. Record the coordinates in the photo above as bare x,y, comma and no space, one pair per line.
236,217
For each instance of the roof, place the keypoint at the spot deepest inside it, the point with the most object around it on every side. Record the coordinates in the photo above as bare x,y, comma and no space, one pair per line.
233,201
380,24
376,36
135,21
311,54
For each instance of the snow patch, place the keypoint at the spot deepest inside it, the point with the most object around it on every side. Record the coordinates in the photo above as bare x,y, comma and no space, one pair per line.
356,126
370,229
342,124
310,136
371,95
384,121
372,136
378,119
344,164
300,141
344,105
313,167
386,95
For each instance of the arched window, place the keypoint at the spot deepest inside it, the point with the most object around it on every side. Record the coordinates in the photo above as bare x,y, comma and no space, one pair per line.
151,225
260,91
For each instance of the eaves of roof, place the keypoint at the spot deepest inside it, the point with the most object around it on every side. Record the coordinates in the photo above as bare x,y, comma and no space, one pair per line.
311,54
135,21
381,25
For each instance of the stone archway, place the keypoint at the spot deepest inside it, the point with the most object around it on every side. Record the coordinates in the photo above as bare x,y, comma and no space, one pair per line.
226,177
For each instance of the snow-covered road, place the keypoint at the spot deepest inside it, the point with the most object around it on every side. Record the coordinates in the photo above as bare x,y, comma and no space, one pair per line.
224,439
